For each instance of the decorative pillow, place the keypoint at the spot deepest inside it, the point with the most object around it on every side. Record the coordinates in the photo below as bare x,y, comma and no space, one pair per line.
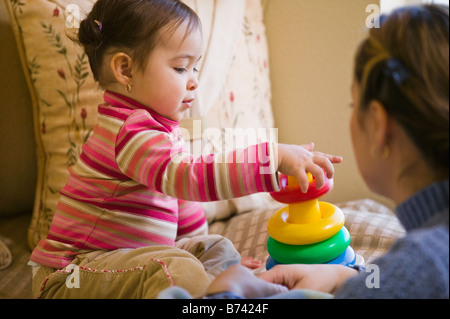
65,96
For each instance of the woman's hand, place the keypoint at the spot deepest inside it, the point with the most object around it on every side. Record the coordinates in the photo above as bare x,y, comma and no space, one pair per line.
323,278
298,161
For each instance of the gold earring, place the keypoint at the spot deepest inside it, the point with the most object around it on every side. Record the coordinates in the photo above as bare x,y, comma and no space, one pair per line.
386,152
128,88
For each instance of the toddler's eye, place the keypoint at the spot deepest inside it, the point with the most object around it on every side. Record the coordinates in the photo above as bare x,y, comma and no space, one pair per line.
196,70
180,70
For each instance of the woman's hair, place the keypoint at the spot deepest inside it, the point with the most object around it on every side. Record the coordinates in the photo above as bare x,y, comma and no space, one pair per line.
133,26
404,64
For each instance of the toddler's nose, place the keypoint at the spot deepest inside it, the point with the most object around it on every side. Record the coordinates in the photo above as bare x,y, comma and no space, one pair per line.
192,84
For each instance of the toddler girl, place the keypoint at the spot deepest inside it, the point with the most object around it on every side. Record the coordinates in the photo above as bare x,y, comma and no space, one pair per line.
128,220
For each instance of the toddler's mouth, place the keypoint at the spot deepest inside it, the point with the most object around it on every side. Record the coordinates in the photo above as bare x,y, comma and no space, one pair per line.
188,103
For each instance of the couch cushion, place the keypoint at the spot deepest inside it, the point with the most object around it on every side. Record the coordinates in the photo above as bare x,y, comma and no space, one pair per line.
373,227
65,96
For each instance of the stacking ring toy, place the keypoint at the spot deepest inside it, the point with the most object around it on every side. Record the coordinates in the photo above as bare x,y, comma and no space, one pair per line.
281,230
307,231
319,253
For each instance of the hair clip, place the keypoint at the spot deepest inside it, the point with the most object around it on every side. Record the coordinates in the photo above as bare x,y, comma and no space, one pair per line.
397,71
100,25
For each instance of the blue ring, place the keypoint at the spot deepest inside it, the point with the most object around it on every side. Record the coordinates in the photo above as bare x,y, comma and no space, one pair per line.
348,258
270,263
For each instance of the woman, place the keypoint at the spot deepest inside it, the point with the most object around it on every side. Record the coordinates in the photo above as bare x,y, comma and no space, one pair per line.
400,133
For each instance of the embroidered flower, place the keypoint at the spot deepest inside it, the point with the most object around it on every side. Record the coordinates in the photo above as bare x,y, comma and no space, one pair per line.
84,113
61,73
232,96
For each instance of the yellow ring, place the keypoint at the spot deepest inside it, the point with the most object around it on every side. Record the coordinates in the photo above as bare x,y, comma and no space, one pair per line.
305,234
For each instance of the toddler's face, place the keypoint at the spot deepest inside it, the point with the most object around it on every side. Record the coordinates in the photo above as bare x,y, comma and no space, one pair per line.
168,84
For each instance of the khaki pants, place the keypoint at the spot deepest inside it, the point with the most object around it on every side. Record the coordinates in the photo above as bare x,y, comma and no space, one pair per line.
139,273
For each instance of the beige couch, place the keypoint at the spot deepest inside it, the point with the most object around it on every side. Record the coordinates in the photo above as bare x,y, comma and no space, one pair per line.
41,131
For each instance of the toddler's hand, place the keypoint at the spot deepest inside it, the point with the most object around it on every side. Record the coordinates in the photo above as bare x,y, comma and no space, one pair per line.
251,263
298,161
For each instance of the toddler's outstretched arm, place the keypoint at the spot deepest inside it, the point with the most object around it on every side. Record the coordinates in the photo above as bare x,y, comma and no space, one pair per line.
154,159
297,161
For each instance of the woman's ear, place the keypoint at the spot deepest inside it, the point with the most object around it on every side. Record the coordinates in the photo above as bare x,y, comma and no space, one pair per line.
121,66
381,123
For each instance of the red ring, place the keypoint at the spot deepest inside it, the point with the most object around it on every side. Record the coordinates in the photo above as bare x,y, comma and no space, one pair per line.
293,194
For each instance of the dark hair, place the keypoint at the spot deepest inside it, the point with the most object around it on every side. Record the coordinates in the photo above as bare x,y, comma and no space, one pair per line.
405,65
132,26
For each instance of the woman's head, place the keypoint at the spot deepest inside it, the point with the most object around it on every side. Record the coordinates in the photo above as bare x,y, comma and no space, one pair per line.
132,26
402,72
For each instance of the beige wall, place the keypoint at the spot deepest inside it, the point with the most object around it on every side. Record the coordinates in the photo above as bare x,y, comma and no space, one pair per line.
312,45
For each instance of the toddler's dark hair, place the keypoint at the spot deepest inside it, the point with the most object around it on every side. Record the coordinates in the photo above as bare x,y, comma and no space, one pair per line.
131,26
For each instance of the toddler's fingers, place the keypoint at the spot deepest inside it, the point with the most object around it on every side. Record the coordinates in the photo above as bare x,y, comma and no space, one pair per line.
251,263
333,158
309,147
303,180
318,172
325,164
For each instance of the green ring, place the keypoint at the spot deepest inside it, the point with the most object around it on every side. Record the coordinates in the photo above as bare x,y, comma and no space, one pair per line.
310,254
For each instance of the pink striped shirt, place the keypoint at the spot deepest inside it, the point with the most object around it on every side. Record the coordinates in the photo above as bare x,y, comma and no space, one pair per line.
135,186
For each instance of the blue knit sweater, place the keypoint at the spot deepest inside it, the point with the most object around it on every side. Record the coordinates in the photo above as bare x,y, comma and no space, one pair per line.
417,265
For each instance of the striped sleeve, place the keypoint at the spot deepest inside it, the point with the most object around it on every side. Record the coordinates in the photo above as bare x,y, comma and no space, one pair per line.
150,156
